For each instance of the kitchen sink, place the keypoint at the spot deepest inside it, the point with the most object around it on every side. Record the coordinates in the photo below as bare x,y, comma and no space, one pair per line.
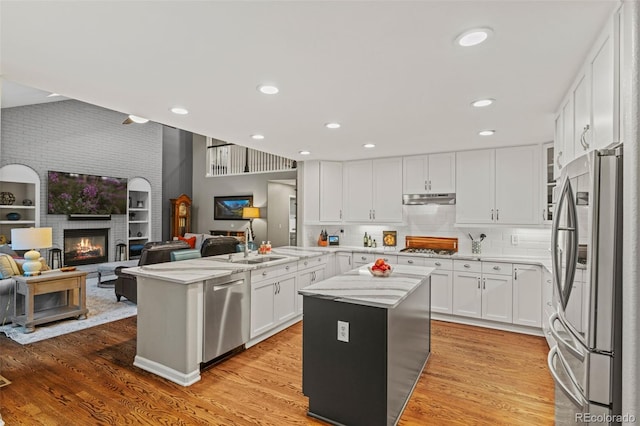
257,260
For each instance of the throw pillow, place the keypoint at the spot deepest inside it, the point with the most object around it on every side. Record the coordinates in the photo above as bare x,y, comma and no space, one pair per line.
8,266
191,241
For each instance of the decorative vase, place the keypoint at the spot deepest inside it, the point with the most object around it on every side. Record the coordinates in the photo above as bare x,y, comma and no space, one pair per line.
140,204
13,216
139,234
7,198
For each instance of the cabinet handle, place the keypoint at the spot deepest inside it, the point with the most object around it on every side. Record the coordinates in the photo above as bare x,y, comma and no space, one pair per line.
364,258
429,185
386,259
409,261
491,214
349,259
558,160
497,215
306,263
484,284
583,138
549,304
286,267
544,214
426,186
340,213
478,283
515,274
438,264
466,265
548,281
497,268
370,215
264,274
374,215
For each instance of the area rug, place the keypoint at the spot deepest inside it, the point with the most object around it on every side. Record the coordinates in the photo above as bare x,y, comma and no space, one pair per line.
103,308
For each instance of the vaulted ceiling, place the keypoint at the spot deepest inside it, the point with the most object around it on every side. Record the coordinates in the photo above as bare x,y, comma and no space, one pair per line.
388,71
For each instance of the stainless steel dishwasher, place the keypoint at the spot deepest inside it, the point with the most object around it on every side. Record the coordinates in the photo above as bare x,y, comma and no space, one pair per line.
227,314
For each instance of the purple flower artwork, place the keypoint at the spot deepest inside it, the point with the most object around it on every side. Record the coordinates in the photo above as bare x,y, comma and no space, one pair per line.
73,193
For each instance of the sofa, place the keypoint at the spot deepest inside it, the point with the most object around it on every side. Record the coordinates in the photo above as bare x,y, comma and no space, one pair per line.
10,266
152,252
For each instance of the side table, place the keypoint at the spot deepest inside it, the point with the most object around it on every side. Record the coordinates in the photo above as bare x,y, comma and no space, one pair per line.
73,283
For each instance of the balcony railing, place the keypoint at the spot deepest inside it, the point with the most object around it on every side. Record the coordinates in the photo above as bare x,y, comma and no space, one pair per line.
230,159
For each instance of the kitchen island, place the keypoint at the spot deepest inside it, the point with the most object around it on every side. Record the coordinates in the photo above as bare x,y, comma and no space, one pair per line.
365,342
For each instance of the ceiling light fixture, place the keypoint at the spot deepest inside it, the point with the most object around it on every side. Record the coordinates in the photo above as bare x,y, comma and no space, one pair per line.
304,152
369,145
268,89
474,37
482,102
486,132
135,119
53,95
332,125
257,137
179,110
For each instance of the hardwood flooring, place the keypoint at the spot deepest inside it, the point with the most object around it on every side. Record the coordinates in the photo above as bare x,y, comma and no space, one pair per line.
474,376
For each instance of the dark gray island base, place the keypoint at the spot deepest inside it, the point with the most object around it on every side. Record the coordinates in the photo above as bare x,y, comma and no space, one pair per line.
368,379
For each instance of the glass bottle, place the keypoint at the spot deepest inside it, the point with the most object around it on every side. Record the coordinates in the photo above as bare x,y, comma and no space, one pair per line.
366,240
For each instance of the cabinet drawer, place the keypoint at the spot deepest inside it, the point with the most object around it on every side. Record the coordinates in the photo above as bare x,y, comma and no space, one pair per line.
312,262
446,264
411,260
497,268
262,274
467,265
364,258
389,258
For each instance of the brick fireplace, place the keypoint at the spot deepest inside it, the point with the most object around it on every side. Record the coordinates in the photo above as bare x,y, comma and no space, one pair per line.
86,246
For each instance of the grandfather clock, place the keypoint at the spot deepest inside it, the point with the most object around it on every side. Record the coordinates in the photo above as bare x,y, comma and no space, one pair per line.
180,216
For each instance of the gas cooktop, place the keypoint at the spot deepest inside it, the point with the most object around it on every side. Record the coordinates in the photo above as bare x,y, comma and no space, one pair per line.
428,251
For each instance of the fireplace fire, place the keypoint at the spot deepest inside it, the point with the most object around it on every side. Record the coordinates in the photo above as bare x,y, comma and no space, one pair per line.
86,246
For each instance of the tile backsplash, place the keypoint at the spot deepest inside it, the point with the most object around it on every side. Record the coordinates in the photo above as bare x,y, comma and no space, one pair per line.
439,221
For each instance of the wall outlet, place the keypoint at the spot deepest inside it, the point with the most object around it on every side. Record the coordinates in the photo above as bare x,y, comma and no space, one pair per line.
515,240
343,331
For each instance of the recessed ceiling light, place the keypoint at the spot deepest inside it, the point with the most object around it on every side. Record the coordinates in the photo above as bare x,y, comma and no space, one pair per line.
268,89
332,125
369,145
179,110
486,132
53,95
304,152
137,119
482,102
473,37
257,137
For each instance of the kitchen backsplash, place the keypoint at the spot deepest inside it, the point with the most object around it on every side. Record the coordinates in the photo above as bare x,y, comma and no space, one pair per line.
439,221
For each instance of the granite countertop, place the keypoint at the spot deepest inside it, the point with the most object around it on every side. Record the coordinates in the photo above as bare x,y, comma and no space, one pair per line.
204,268
300,252
359,287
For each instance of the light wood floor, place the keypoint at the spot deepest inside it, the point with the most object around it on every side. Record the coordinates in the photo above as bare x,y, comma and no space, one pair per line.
474,376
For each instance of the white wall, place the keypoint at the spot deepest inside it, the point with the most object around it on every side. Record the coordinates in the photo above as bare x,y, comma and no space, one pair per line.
439,221
278,213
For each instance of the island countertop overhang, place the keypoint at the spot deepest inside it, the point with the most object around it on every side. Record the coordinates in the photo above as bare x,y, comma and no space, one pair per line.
359,287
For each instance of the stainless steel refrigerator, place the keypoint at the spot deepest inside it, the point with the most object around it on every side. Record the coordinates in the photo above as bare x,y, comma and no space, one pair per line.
587,271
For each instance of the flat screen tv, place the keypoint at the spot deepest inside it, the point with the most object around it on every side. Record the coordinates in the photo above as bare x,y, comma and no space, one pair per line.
230,208
75,193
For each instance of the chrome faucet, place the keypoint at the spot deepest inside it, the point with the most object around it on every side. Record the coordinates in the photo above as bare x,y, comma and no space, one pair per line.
247,237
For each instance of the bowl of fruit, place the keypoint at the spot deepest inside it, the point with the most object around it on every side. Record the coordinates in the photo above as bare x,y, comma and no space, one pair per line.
380,268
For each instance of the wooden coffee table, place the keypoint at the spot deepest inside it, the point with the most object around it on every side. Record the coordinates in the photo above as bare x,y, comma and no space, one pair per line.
73,283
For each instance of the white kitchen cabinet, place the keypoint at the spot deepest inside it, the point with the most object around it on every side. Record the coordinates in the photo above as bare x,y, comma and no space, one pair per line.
558,145
322,191
441,285
548,182
273,297
548,308
344,262
362,258
498,186
581,115
479,294
527,295
310,271
567,130
429,174
373,190
475,192
139,212
517,185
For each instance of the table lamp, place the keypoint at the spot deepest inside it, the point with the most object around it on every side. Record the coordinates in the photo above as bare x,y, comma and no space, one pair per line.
31,239
250,213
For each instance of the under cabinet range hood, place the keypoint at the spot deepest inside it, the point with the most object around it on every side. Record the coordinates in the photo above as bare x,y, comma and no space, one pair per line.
418,199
